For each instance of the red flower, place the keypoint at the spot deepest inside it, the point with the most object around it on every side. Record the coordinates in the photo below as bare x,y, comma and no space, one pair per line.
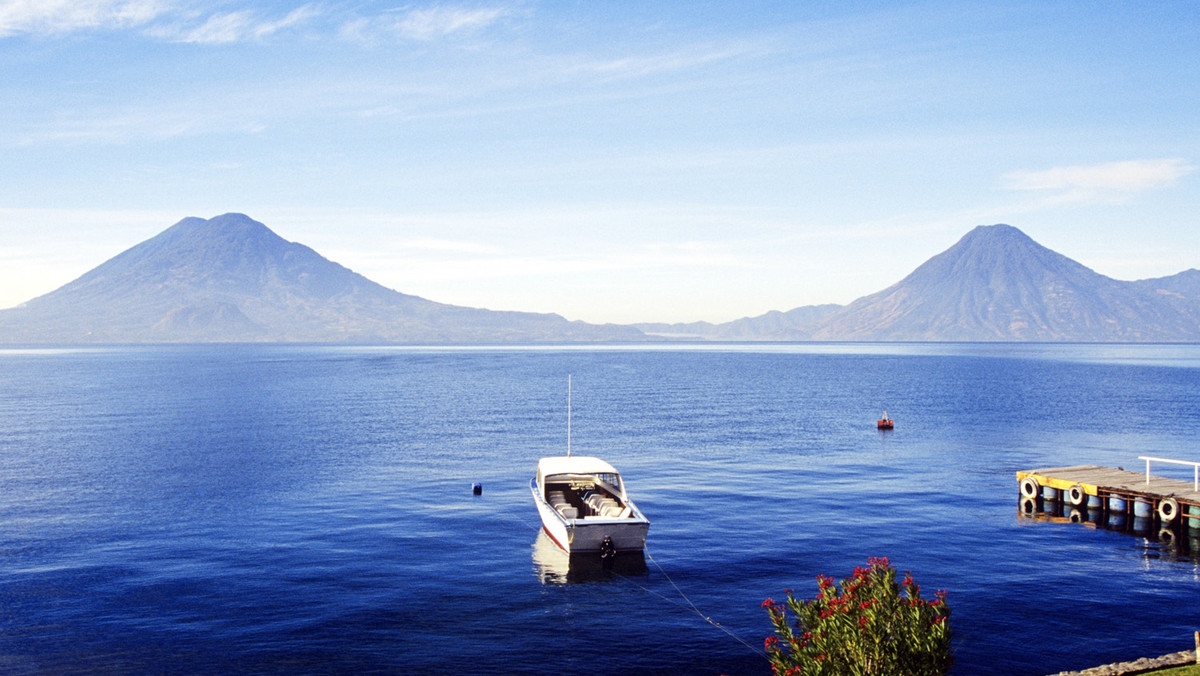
768,603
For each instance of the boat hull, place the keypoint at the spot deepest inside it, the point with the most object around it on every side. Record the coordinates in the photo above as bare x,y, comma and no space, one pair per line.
586,534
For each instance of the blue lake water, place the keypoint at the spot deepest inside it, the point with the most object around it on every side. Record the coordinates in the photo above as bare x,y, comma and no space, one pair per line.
217,509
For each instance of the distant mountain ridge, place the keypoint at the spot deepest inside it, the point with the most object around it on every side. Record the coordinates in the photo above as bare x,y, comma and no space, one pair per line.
231,279
773,325
994,284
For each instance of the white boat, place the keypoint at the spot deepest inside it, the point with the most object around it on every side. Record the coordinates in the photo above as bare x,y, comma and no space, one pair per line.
584,507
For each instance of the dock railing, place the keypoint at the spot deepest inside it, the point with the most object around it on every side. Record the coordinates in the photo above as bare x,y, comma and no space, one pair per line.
1195,468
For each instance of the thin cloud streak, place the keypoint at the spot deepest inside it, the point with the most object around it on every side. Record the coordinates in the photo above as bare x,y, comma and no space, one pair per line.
239,26
671,61
160,19
129,125
56,17
1111,180
437,22
420,25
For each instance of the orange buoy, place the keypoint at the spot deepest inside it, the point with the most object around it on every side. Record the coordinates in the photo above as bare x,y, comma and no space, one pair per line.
884,423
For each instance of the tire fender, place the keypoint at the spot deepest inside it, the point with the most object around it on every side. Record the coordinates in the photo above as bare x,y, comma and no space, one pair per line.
1030,488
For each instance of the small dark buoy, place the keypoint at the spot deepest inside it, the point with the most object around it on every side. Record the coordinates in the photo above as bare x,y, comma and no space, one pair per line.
477,489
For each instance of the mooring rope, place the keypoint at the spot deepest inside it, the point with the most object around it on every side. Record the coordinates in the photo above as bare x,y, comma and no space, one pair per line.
650,591
760,652
526,523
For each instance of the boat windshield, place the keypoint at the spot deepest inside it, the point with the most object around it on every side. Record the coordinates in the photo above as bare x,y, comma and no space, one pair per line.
613,480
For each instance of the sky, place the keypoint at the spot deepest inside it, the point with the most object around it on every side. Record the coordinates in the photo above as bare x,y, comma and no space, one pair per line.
608,161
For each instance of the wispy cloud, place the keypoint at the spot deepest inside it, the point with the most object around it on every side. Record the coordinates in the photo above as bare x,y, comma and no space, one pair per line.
125,124
65,16
422,25
237,26
163,19
437,22
177,21
1108,181
219,28
680,59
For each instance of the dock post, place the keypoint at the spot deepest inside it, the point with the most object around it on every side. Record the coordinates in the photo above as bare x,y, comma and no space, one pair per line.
1141,509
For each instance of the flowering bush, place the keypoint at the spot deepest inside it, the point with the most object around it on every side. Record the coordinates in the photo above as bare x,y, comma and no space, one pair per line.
867,624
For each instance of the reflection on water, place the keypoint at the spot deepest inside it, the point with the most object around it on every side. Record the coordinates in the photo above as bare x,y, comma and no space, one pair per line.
554,566
1179,540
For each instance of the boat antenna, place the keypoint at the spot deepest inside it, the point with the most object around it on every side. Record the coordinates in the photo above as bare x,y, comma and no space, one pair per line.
568,415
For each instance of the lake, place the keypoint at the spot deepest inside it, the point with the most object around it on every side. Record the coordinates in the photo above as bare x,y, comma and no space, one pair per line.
284,509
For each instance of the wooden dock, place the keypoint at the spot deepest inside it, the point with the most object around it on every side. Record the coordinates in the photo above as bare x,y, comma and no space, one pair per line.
1114,497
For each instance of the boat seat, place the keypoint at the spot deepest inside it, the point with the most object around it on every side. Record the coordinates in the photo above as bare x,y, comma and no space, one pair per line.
568,512
611,511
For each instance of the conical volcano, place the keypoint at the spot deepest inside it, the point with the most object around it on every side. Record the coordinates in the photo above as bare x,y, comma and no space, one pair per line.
997,284
231,279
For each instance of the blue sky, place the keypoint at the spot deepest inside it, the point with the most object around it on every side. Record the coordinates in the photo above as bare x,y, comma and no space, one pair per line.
612,162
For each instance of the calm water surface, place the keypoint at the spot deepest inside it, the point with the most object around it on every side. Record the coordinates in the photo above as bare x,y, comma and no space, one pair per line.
309,509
